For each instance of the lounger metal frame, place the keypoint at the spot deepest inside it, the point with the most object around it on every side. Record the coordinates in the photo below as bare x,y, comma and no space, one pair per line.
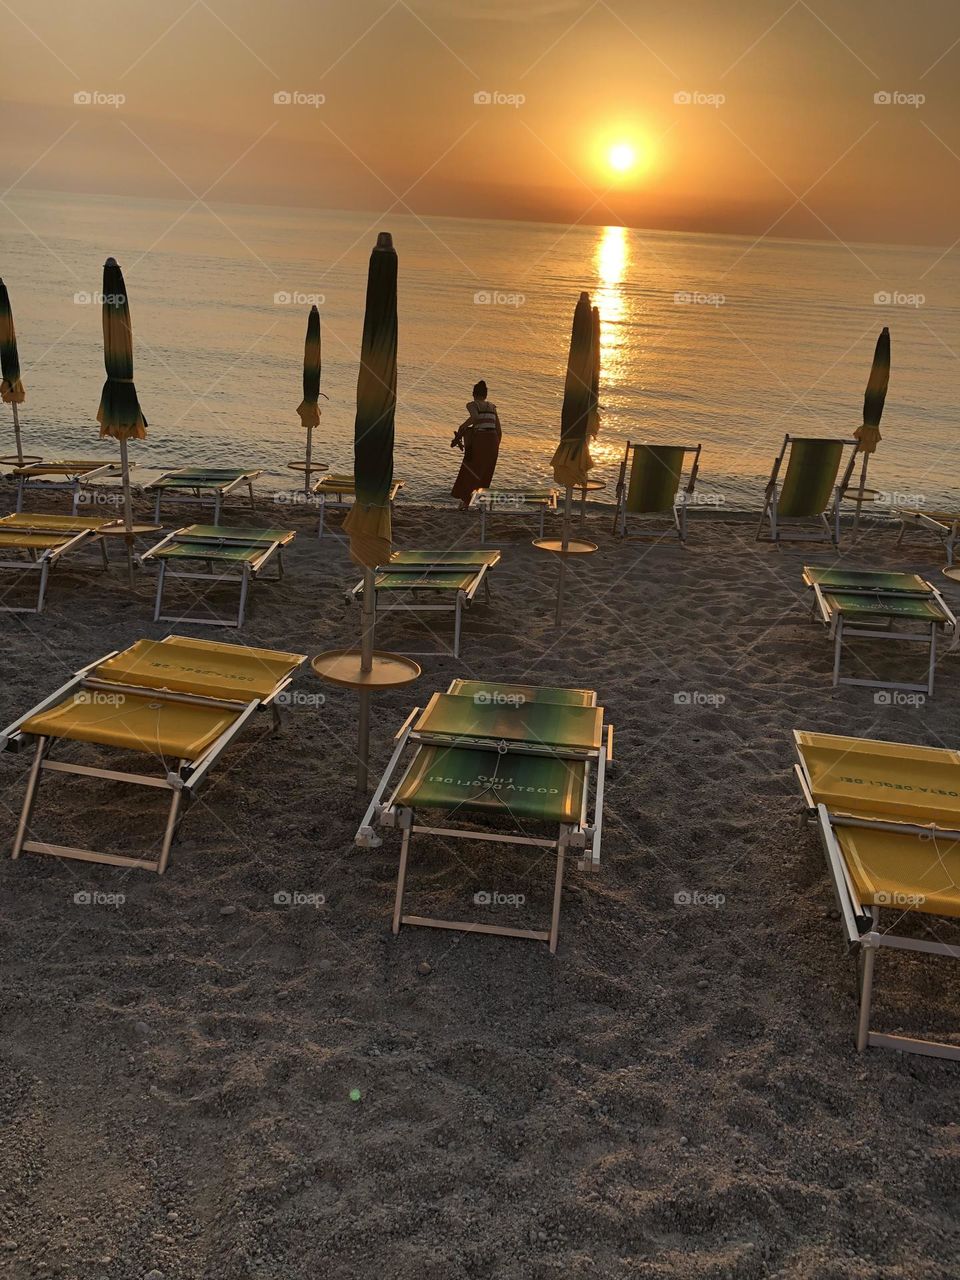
861,921
583,836
181,781
839,629
325,498
248,572
681,499
43,561
76,484
461,600
945,530
526,505
200,494
828,520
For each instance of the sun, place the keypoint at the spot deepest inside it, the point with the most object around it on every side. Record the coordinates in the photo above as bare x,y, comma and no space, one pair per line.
622,157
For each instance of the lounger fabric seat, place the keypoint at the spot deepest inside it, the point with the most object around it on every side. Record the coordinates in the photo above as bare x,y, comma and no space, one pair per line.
199,486
535,788
498,691
885,605
530,500
430,581
206,668
650,483
897,868
811,489
546,724
844,579
175,730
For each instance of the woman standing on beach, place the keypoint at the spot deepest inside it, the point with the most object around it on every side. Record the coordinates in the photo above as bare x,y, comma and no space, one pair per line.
479,438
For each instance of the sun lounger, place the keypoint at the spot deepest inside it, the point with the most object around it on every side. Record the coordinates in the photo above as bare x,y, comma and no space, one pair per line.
889,821
179,701
808,493
337,490
197,486
534,500
75,475
654,485
864,604
499,755
432,582
37,543
942,524
240,555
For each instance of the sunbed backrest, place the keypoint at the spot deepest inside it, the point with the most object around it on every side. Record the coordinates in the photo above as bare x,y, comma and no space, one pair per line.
654,478
811,477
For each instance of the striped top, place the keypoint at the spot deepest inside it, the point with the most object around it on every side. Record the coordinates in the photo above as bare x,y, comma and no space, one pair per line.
486,419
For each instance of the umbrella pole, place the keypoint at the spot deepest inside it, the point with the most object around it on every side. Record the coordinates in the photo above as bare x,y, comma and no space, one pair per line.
127,507
368,624
16,432
863,482
564,543
306,474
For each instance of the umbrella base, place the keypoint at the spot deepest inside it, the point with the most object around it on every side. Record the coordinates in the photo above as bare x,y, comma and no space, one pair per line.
575,546
343,667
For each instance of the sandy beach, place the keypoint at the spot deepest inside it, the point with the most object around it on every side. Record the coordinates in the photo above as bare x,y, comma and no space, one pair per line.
200,1083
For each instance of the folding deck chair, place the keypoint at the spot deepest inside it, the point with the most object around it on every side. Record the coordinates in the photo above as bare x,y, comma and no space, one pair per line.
74,475
942,524
805,494
43,541
197,486
179,701
498,752
533,501
432,582
889,821
654,485
339,491
866,604
240,554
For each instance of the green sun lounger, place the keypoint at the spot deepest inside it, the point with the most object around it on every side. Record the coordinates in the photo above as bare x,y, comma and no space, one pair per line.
432,582
530,500
338,490
651,484
944,525
197,486
505,762
878,605
231,555
809,492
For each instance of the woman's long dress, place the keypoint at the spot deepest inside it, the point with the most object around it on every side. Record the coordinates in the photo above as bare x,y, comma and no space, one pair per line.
480,452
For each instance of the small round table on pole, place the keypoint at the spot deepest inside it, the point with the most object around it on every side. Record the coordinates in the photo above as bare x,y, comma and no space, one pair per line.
573,547
591,486
307,467
28,459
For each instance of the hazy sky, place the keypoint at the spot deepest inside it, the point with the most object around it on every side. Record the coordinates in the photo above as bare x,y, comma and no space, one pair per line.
780,134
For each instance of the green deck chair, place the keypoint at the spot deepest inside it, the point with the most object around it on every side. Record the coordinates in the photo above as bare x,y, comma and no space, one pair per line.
654,485
808,492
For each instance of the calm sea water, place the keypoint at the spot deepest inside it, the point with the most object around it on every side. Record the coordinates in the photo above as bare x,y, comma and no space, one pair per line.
705,338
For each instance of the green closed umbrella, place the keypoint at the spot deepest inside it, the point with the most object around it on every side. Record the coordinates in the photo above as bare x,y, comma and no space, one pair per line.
868,435
309,407
120,415
11,388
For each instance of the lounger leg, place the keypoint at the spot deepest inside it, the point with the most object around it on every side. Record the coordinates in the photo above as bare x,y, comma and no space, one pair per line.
951,540
866,993
543,512
169,832
557,891
458,616
933,658
323,508
158,603
103,554
156,509
253,505
216,507
903,530
44,574
837,645
483,524
33,781
244,584
402,871
279,565
20,484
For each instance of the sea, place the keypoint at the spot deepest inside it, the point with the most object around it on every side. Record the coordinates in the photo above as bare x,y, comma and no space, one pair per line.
725,341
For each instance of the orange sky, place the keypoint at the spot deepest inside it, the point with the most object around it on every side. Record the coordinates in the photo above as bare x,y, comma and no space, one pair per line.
783,135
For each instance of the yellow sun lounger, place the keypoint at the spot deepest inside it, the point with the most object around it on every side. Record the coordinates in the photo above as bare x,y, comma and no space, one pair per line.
339,491
534,500
239,554
77,476
945,525
889,821
39,542
505,756
811,490
178,701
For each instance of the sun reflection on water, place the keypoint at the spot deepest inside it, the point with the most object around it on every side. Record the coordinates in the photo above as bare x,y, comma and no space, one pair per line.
611,258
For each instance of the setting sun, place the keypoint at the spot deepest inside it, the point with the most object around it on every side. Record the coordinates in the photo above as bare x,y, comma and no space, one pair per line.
622,157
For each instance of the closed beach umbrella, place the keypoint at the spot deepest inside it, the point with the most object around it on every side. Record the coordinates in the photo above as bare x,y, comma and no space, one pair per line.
309,407
594,425
11,388
120,415
868,435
